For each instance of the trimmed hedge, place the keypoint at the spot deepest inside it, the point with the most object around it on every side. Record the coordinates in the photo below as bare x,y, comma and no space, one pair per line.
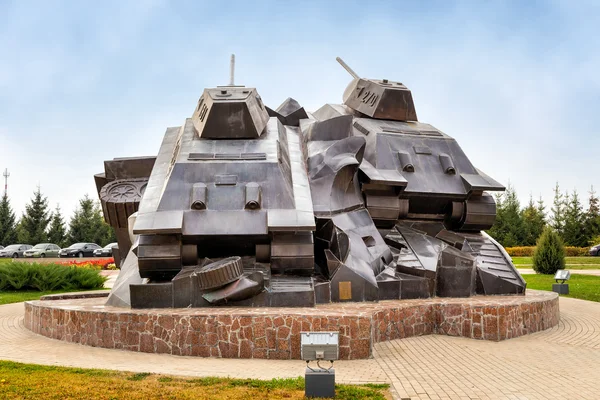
527,251
46,277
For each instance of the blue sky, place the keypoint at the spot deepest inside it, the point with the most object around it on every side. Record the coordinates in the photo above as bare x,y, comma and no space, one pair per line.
516,83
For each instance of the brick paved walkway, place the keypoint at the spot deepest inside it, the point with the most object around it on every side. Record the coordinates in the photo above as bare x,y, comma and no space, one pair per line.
563,362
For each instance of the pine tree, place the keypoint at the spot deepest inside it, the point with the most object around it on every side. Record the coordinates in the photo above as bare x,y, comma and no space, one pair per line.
35,220
105,234
496,231
557,210
533,221
57,233
508,228
87,224
592,216
513,217
573,232
8,233
81,225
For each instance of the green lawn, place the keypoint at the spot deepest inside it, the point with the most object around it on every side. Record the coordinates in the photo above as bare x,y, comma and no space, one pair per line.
572,262
584,287
29,381
17,296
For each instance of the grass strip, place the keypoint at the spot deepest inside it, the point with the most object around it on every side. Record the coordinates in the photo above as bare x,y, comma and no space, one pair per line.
584,287
30,381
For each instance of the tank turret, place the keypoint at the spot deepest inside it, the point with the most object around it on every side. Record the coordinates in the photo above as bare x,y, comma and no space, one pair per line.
230,112
379,98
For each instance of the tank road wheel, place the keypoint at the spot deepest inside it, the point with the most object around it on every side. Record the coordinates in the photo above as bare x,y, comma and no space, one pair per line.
220,273
120,199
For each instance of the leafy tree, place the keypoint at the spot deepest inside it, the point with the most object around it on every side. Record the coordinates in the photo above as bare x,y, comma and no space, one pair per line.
534,221
57,233
8,233
573,233
549,254
35,220
87,224
557,210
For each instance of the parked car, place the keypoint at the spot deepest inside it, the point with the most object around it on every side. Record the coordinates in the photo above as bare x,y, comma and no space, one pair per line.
595,250
14,250
79,250
106,251
42,250
1,247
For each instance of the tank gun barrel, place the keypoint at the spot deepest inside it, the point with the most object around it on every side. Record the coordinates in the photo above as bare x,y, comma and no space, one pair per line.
347,68
232,70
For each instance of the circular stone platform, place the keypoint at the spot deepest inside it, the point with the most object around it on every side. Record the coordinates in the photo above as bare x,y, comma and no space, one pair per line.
274,333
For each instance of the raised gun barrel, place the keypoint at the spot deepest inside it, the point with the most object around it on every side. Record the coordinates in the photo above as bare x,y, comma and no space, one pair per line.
347,68
232,70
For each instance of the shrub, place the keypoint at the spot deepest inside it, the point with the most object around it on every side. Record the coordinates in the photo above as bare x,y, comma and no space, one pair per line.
47,277
527,251
521,251
549,255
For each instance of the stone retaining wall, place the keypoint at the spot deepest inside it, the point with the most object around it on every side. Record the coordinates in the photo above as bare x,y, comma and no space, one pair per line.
274,333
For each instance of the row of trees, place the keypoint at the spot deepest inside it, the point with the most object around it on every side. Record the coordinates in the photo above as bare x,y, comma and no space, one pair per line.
39,224
576,226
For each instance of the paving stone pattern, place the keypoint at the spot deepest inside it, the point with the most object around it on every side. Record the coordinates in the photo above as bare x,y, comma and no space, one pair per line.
274,333
558,363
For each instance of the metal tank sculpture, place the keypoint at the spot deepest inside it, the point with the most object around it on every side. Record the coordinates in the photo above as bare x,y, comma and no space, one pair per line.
249,206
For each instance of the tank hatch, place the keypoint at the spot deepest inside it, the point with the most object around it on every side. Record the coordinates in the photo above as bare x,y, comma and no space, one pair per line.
380,99
230,112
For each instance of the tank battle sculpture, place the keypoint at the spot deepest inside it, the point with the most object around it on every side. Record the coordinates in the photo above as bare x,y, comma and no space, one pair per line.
249,206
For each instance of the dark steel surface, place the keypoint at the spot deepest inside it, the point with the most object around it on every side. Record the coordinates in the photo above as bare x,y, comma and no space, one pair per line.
245,205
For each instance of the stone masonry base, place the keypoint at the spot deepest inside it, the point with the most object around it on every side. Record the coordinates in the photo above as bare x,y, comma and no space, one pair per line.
274,333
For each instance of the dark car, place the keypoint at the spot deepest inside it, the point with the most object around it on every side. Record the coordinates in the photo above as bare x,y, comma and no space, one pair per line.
14,250
595,250
79,250
106,251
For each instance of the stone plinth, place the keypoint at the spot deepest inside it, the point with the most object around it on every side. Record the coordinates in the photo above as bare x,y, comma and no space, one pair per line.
274,333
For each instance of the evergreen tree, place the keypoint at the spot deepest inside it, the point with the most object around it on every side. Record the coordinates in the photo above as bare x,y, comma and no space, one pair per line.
533,221
592,216
8,233
549,255
508,228
557,210
35,220
87,224
22,234
57,233
573,232
81,225
496,230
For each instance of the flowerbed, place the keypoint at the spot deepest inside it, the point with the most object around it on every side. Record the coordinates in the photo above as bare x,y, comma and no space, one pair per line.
103,264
